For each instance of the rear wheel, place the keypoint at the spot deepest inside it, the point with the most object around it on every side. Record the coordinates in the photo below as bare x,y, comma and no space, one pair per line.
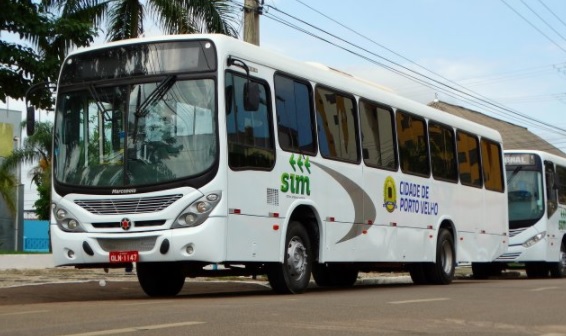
485,270
293,275
417,272
558,269
442,271
536,270
160,279
334,275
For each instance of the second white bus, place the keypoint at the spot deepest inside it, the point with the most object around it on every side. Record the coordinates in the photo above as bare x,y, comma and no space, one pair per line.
536,188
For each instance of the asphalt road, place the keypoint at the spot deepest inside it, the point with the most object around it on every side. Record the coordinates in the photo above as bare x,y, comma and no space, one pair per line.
467,307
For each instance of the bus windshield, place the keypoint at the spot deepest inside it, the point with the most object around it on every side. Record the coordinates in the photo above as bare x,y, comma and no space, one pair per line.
525,194
136,134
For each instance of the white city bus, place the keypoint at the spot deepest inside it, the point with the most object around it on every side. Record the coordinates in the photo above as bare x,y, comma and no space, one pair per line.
187,151
536,188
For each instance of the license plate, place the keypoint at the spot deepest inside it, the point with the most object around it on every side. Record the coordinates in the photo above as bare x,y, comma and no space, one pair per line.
123,256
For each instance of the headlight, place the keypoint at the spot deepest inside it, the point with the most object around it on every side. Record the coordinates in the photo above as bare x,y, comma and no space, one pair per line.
65,220
534,239
196,213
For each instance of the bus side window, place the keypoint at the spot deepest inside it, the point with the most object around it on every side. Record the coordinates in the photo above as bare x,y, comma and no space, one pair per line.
378,135
295,117
250,132
550,188
442,152
492,165
413,144
561,181
468,159
337,125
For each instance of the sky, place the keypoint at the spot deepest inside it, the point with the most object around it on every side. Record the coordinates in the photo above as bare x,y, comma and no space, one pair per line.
504,58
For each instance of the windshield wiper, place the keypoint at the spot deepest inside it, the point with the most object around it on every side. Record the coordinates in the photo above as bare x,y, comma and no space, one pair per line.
155,95
162,88
514,173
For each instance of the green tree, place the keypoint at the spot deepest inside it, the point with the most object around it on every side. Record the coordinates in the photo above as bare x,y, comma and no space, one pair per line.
36,149
125,18
8,186
45,36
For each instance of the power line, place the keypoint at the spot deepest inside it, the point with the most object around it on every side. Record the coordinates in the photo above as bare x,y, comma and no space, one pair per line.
543,20
483,101
532,25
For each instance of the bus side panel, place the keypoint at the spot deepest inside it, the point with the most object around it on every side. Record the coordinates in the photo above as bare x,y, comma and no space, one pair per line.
253,238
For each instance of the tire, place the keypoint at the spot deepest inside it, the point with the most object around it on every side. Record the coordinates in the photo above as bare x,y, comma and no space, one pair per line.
536,270
558,269
334,275
485,270
160,279
293,275
442,271
417,272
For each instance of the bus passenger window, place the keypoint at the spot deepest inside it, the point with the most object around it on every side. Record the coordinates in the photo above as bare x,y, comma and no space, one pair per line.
492,165
468,159
442,152
561,174
550,188
378,137
413,144
337,125
295,117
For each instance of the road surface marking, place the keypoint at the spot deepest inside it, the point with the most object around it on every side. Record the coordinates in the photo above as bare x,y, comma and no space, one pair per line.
542,289
419,301
25,312
135,329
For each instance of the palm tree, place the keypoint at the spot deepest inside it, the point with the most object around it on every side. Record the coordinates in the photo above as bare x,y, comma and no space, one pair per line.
37,148
125,18
8,186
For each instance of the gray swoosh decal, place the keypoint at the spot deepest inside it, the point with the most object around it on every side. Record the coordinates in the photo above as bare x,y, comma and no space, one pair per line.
358,196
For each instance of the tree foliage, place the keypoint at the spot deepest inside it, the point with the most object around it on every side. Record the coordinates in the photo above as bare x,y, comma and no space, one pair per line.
36,149
45,37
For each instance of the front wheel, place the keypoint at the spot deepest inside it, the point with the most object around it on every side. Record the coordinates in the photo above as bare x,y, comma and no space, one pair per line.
161,279
558,269
293,275
442,271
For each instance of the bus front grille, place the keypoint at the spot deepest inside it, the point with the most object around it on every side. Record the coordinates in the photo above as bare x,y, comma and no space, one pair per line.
131,244
127,206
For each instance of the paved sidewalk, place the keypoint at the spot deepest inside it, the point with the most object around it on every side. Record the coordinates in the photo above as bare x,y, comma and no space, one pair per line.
26,261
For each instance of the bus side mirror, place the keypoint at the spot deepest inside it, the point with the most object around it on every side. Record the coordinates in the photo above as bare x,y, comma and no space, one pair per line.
251,96
30,120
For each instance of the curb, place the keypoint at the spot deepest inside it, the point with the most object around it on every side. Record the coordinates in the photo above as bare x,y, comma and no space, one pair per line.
26,261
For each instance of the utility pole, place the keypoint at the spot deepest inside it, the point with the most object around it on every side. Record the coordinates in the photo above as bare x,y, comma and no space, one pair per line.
252,10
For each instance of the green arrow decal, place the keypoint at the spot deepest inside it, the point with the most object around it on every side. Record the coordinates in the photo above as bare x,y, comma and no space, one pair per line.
292,162
300,163
308,165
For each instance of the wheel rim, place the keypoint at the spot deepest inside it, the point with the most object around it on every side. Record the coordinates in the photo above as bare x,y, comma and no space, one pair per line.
296,259
447,258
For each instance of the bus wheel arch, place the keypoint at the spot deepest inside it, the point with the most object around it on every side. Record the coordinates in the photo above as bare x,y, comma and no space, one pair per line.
558,269
300,251
441,272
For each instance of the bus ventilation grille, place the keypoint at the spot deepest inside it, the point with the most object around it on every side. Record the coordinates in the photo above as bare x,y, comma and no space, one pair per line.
272,196
514,232
134,205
